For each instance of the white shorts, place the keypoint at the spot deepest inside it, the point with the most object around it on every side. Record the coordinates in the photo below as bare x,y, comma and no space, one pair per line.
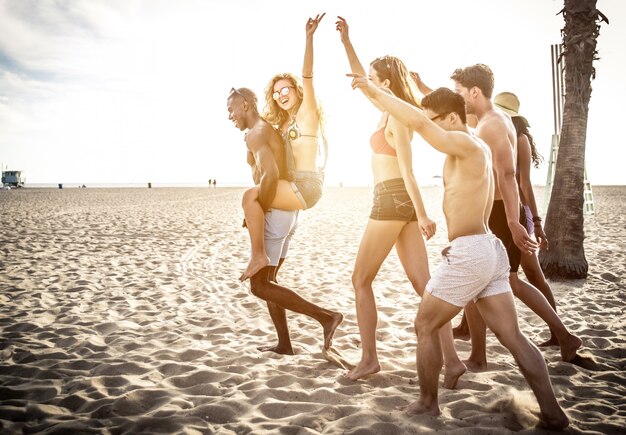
280,226
473,267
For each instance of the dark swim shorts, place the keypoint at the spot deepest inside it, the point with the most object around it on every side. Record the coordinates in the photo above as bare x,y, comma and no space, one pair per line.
392,202
499,226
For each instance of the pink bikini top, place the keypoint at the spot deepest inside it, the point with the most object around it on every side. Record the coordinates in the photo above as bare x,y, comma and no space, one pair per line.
379,144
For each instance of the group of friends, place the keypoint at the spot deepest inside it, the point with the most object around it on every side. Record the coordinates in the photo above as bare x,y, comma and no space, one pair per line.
489,207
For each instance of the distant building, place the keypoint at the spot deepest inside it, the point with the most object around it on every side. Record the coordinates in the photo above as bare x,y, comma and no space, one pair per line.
13,178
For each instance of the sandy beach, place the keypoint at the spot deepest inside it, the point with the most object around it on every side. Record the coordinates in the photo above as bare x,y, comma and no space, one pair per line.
121,313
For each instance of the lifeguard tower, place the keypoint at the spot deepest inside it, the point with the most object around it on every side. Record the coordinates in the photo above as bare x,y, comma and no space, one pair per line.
13,178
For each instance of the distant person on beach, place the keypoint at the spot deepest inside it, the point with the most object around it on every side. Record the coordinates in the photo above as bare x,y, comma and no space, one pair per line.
475,264
266,156
214,183
398,217
292,108
507,220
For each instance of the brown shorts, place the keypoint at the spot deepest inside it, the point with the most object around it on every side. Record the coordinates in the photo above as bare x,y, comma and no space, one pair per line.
392,202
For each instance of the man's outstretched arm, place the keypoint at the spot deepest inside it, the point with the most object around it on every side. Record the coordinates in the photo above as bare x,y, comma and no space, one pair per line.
447,142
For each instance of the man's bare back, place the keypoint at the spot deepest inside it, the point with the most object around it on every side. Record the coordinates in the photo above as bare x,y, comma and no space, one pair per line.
496,130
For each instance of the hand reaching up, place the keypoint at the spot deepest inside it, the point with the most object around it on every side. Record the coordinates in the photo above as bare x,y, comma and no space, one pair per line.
342,26
312,23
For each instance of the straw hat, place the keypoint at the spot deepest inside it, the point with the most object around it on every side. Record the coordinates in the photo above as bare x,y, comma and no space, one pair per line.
509,103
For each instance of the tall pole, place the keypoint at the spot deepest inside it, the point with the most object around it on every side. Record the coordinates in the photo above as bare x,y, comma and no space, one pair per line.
556,51
558,97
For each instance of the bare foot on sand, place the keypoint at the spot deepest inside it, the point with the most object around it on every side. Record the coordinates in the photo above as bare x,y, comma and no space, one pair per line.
552,341
282,350
418,408
330,327
363,369
557,421
452,375
475,366
256,263
569,347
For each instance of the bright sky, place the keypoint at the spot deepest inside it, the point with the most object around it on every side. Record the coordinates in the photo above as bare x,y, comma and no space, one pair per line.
125,91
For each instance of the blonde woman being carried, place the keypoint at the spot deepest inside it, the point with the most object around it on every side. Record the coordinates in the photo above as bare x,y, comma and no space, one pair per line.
293,109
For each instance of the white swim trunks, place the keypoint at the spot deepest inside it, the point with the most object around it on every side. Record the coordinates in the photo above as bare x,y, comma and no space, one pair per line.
280,226
473,267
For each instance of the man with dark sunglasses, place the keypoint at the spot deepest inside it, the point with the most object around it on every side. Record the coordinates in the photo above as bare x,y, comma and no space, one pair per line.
266,156
475,264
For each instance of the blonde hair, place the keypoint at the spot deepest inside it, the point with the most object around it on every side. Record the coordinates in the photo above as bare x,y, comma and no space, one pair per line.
276,116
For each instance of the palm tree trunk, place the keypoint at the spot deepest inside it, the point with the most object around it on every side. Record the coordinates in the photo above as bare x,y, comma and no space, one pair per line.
564,221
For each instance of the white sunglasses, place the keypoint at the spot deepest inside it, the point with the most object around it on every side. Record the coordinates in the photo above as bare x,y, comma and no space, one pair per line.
282,92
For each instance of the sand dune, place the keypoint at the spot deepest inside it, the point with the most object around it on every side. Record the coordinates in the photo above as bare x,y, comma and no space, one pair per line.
121,312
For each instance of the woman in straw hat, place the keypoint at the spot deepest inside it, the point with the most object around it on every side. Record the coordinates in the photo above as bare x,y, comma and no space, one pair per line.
527,154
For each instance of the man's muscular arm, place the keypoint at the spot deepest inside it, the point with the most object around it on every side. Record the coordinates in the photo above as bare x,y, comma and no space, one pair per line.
258,145
256,174
504,166
452,143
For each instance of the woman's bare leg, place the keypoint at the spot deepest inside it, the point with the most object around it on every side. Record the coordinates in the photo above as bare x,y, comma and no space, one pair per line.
534,274
537,302
285,199
255,222
377,241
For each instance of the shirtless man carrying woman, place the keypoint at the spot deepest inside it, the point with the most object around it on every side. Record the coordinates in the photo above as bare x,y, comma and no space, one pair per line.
292,108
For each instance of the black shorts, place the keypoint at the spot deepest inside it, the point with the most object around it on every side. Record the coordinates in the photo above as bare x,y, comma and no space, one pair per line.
499,226
392,202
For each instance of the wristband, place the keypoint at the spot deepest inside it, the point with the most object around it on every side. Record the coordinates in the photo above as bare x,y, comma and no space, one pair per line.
307,77
536,219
